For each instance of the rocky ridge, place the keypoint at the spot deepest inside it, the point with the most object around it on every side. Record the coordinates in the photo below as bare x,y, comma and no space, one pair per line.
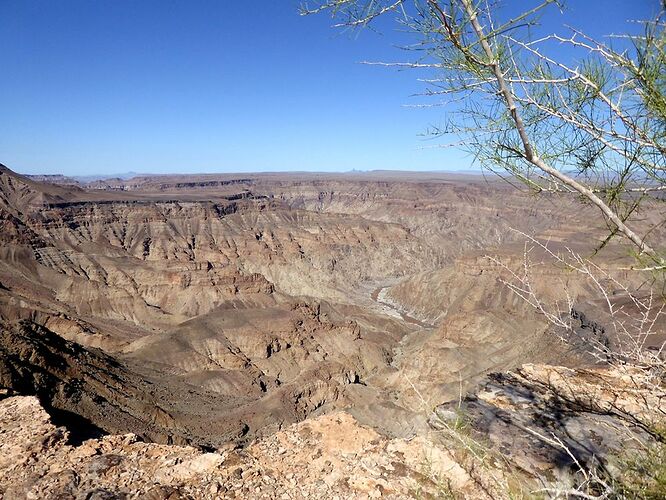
327,457
522,420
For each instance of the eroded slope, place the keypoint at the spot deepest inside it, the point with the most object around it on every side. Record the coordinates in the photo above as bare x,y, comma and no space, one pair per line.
252,298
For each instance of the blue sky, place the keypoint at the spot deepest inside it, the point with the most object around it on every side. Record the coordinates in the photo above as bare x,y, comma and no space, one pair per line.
109,86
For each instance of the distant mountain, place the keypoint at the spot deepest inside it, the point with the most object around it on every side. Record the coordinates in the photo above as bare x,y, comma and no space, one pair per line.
82,179
101,177
54,179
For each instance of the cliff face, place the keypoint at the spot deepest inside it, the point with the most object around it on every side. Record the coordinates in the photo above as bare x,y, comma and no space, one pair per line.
107,395
146,267
221,309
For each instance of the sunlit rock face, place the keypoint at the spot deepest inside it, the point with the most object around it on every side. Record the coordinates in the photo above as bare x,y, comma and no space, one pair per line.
224,309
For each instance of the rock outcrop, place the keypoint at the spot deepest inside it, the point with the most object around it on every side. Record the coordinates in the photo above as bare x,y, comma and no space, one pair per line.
519,432
326,457
558,424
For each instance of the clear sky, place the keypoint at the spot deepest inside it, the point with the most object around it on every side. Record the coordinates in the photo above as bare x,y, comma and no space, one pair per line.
110,86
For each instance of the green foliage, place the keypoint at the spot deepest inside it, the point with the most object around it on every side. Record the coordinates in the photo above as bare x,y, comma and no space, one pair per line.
644,475
598,119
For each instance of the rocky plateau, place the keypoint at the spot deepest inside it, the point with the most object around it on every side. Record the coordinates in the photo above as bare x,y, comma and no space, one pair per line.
300,336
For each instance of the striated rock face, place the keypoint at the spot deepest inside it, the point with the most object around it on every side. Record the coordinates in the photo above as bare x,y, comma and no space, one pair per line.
124,269
220,311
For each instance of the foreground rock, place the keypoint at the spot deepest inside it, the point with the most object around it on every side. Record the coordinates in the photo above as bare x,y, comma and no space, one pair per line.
321,458
539,428
564,426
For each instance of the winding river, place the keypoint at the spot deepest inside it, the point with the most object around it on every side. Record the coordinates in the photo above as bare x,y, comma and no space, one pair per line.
376,297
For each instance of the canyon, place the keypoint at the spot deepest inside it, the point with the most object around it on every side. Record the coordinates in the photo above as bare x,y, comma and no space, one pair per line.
215,320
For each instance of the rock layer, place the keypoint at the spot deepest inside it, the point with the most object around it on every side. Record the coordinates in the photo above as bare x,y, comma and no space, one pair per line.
224,309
